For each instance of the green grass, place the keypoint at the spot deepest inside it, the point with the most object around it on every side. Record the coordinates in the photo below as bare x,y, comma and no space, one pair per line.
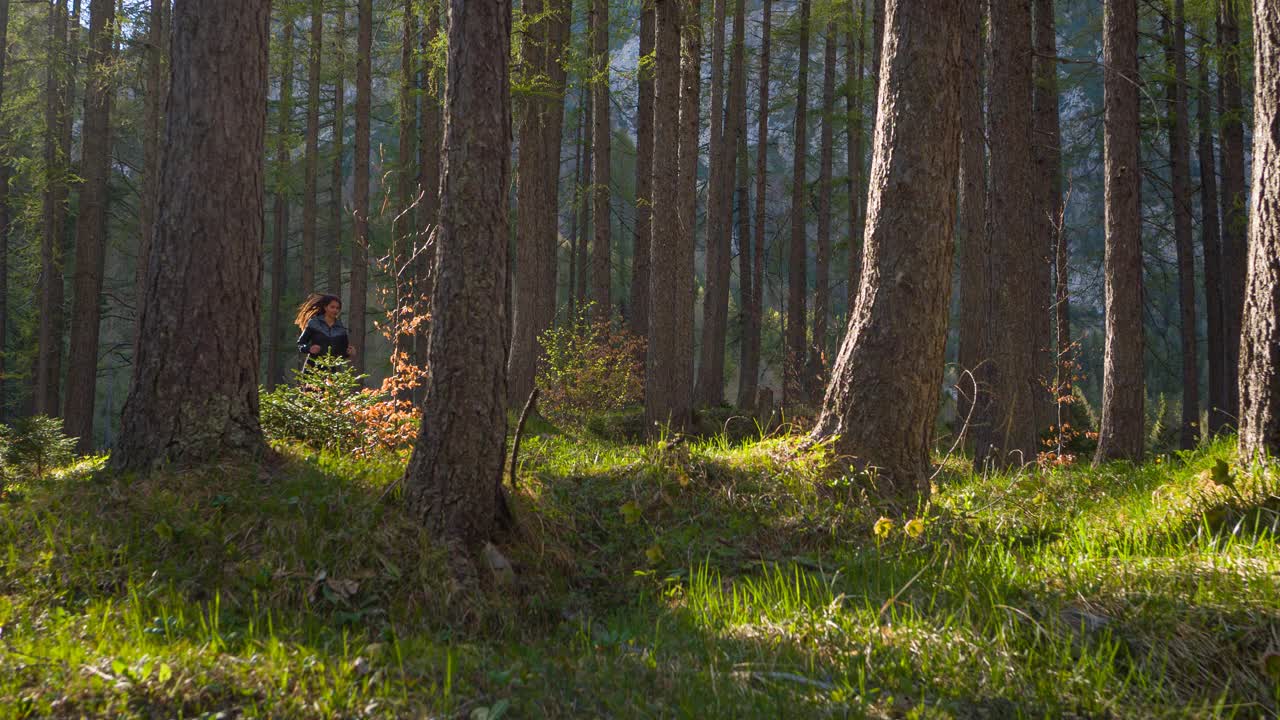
700,579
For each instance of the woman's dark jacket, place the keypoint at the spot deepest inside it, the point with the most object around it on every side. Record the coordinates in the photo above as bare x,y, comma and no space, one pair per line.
332,340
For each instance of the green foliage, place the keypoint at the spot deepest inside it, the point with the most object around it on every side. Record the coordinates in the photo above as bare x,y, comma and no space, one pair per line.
34,446
590,368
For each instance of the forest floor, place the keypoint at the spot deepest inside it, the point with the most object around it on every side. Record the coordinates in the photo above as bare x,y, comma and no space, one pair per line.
704,579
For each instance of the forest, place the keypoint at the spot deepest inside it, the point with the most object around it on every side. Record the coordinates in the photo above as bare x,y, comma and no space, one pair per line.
640,358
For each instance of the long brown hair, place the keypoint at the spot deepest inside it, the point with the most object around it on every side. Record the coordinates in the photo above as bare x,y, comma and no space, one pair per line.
313,306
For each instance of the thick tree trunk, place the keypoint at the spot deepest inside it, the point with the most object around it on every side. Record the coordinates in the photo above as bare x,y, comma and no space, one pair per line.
883,396
854,122
796,349
666,396
1235,220
822,266
157,52
48,361
280,234
1211,245
1122,432
639,302
1054,346
709,388
749,367
1260,345
193,400
5,171
737,119
360,245
91,227
310,204
974,244
1017,255
1180,171
690,145
454,477
337,209
601,265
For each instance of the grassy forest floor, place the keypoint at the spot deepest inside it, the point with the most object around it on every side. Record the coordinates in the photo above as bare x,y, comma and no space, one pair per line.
708,579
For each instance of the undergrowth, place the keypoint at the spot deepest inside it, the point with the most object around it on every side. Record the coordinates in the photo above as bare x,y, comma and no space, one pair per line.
688,578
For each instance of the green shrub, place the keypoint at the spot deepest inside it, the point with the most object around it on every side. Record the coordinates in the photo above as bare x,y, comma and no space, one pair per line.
590,367
35,445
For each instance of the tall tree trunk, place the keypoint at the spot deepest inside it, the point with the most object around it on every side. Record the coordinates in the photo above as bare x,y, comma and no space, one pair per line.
280,234
310,203
1016,253
1180,170
553,134
666,400
157,51
709,388
601,266
737,119
883,396
877,40
575,229
91,227
974,244
687,230
5,172
749,367
639,320
337,209
190,404
430,151
796,341
48,362
454,478
585,197
857,191
1121,435
1054,347
360,244
1260,346
822,256
1211,245
404,234
1235,220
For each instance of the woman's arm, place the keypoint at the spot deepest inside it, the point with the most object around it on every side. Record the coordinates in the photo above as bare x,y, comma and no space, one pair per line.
304,341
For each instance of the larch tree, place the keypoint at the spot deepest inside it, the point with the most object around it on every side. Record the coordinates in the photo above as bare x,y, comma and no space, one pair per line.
5,214
1049,220
192,404
91,228
749,364
796,345
709,388
601,180
454,477
311,160
666,399
337,208
1235,220
1260,344
883,396
356,308
822,255
1180,175
280,231
1123,388
1211,247
638,320
1010,348
973,242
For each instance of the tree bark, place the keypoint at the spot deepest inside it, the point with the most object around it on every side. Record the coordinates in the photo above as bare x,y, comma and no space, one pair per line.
153,113
974,244
737,119
404,234
360,246
1211,245
193,403
430,151
796,336
1121,434
1260,345
640,270
280,235
822,257
454,478
5,172
690,145
1049,221
1180,171
883,396
857,191
666,397
1235,220
585,197
749,367
601,266
91,226
1017,256
310,203
337,209
575,228
709,388
48,362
